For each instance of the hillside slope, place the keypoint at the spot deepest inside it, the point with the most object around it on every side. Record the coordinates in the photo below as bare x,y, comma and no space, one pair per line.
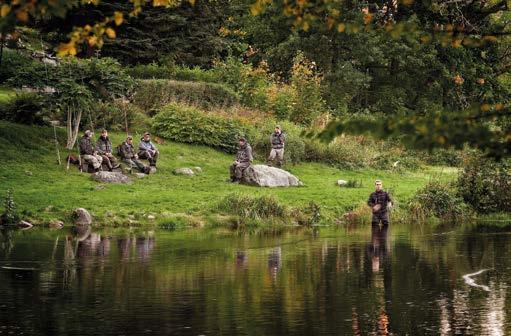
46,191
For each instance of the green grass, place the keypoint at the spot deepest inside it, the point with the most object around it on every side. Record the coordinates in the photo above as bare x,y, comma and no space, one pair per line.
30,149
6,94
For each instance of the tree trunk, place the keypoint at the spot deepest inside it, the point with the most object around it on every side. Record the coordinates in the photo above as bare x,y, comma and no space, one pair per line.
73,127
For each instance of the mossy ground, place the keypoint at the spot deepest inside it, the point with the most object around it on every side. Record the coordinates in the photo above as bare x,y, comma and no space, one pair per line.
47,191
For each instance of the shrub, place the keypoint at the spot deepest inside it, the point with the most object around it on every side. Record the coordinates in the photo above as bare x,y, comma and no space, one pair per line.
156,71
438,200
445,157
153,94
19,69
114,116
486,184
150,71
187,124
306,83
10,215
24,108
249,83
247,207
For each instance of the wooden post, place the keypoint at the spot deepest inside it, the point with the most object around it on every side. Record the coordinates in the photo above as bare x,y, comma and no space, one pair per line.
56,144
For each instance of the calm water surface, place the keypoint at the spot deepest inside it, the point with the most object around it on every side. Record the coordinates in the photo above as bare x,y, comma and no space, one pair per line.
404,281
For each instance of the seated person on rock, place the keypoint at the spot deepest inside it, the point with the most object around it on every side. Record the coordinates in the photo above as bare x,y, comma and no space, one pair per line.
147,150
244,159
104,148
88,153
277,141
127,153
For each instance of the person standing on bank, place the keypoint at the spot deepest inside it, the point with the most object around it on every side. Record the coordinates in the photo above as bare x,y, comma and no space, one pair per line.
244,159
379,201
277,140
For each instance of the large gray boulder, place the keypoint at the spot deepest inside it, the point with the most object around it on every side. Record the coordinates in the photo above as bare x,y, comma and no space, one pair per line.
265,176
110,177
82,217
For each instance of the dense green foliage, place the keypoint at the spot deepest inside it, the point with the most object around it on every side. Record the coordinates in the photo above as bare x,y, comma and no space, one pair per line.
10,214
186,34
153,94
438,200
25,108
189,125
486,184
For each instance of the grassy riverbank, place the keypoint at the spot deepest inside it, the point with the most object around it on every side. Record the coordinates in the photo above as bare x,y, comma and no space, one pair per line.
47,191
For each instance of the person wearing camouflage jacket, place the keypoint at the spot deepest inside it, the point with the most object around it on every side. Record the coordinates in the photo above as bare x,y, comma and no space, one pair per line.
104,148
128,155
243,160
277,141
88,152
379,201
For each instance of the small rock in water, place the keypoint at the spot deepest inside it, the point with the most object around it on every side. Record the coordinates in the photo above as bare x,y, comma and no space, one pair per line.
184,171
56,224
28,173
25,225
340,183
82,217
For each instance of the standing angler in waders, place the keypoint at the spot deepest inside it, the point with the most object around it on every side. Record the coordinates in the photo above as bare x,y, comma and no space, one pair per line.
380,202
277,140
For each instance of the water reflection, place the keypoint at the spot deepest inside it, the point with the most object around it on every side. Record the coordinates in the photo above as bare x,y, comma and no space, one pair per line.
366,282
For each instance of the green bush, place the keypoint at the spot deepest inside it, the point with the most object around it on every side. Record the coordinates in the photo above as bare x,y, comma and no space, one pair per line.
445,157
196,74
156,71
437,200
187,124
308,103
114,116
153,94
25,108
486,184
150,71
19,69
248,207
249,83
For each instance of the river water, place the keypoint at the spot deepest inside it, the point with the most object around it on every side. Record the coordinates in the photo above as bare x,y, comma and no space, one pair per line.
407,280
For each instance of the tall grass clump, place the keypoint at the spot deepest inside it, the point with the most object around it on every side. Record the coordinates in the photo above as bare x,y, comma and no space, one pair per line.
254,208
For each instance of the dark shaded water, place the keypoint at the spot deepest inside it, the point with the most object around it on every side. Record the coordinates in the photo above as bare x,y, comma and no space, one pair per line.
338,282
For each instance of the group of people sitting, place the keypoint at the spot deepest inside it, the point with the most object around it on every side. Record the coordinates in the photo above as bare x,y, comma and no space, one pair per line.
101,153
